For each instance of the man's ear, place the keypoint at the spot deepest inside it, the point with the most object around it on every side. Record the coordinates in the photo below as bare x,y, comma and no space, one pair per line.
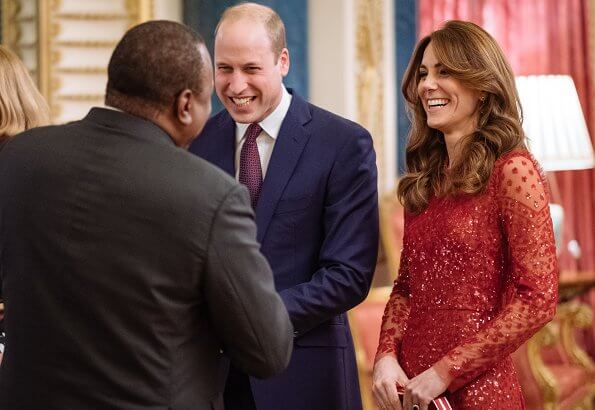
183,107
284,61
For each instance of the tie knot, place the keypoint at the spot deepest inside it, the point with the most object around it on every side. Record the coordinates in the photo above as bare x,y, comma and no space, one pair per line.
253,131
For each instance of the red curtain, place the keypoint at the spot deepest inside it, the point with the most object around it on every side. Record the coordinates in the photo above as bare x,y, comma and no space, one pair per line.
542,37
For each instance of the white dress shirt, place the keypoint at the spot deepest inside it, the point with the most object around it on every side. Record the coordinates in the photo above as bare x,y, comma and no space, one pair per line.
266,140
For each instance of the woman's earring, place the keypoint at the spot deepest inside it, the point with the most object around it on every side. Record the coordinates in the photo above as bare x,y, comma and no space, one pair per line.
482,98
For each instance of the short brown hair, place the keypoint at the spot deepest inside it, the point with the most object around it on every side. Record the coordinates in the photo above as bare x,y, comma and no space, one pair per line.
151,65
21,105
267,16
472,56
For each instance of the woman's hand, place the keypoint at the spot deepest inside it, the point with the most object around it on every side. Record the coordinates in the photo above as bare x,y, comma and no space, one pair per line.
387,374
423,388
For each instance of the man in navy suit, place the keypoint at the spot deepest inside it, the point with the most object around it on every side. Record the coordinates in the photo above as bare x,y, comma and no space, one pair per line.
312,180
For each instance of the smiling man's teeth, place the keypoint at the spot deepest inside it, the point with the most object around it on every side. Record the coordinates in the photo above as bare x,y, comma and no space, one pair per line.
437,102
241,101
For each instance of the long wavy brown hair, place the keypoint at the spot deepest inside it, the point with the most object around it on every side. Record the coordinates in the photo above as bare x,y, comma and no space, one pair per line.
473,57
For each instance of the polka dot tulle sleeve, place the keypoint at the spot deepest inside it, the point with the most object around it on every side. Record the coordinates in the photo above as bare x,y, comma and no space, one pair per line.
531,285
396,312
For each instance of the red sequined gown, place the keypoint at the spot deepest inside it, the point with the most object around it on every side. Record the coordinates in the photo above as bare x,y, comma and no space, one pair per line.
478,277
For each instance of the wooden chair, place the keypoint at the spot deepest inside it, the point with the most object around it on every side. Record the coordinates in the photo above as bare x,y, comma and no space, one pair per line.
365,320
555,373
392,226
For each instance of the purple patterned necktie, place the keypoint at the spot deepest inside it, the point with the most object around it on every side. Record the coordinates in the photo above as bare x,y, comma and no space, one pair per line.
250,169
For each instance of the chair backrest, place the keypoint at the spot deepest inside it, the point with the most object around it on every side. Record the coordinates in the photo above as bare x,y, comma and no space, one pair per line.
365,320
392,226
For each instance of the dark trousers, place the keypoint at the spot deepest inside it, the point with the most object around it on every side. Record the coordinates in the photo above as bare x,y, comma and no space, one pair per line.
238,394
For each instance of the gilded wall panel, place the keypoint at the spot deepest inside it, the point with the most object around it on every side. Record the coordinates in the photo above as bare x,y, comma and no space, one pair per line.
371,81
66,44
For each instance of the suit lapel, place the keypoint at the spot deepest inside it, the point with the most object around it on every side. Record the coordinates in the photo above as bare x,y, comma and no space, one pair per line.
290,143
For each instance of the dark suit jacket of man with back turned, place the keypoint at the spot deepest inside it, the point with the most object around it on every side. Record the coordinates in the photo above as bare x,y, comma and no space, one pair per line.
127,264
317,220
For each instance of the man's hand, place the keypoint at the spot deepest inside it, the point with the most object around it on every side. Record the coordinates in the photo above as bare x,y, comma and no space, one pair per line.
423,388
387,375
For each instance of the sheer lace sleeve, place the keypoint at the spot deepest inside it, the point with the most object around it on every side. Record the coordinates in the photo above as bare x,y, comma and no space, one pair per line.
396,311
532,270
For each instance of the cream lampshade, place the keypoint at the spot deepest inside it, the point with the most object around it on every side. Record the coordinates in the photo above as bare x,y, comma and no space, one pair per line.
557,133
554,122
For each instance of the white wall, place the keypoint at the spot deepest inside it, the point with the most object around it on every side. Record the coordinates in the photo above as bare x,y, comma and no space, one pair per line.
335,72
83,46
167,10
331,54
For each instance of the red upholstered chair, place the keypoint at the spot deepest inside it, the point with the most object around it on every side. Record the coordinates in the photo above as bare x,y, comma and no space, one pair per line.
392,226
555,373
365,320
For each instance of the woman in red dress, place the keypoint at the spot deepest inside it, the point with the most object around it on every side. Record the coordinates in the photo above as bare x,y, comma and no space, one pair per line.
478,273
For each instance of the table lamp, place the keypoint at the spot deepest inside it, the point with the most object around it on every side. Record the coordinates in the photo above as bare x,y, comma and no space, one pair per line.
557,134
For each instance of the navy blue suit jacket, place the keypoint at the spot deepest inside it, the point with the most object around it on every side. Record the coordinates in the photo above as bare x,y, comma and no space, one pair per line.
317,220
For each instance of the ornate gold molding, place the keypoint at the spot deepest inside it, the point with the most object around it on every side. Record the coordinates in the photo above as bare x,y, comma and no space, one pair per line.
370,75
561,333
547,336
139,11
5,22
81,70
57,43
572,316
11,32
80,97
92,16
26,19
25,46
87,43
46,31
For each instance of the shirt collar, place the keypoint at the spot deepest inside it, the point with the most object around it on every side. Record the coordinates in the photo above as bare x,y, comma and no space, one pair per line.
109,107
272,123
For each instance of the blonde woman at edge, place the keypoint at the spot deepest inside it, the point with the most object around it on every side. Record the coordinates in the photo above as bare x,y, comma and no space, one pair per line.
21,107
